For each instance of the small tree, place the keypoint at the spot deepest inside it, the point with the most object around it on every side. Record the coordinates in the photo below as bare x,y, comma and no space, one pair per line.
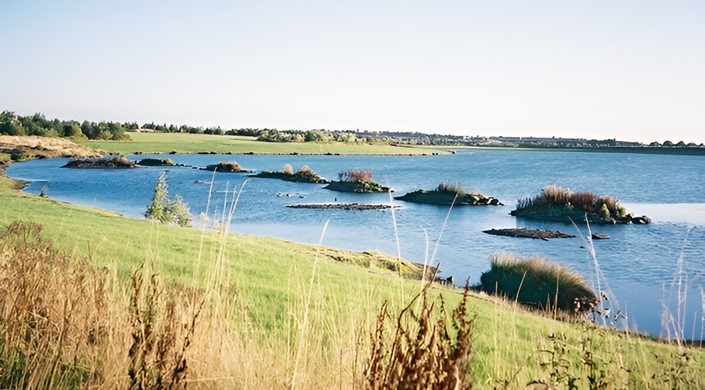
164,209
160,201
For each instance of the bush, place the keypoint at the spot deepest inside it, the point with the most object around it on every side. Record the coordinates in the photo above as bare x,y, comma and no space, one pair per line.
356,176
166,210
537,282
288,169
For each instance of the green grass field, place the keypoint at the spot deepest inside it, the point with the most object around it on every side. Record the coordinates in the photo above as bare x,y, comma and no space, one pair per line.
195,143
281,314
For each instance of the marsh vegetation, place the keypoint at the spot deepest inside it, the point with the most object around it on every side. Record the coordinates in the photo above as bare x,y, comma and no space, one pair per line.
560,204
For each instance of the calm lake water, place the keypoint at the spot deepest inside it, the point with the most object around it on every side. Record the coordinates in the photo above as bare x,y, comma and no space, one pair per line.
640,263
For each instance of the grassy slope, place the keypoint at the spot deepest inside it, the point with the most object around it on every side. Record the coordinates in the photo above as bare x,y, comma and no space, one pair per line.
272,276
195,143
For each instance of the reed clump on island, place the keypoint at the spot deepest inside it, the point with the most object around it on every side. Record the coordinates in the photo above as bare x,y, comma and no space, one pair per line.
357,180
560,204
537,283
227,167
450,193
303,175
109,162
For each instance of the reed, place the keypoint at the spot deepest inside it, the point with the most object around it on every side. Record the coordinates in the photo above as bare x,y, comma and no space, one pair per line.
451,188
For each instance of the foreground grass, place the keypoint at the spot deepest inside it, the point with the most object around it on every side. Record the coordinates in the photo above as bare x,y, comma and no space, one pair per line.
279,314
198,143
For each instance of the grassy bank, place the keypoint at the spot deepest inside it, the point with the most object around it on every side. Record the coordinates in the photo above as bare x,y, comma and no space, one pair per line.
197,143
279,314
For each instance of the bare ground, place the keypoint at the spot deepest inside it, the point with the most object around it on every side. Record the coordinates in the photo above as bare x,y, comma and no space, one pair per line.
43,147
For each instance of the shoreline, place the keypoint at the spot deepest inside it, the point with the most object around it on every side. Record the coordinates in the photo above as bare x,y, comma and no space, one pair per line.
17,185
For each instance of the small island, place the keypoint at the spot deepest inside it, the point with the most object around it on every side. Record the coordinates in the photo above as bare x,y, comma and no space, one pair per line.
356,180
538,234
155,162
109,162
559,204
227,167
447,194
303,175
342,206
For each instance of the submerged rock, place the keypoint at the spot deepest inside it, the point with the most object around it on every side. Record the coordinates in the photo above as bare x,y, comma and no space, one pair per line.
361,187
539,234
599,236
342,206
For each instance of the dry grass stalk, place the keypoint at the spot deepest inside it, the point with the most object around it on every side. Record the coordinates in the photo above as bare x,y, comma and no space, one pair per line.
423,352
52,312
159,339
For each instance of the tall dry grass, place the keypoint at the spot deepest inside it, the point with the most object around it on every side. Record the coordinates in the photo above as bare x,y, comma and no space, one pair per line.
536,282
422,350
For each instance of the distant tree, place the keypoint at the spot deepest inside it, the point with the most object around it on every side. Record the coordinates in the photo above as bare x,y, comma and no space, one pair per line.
71,130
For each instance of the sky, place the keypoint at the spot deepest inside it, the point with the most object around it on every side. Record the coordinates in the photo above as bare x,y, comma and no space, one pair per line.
631,70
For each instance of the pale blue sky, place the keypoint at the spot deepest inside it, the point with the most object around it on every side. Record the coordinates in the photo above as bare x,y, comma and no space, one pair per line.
631,70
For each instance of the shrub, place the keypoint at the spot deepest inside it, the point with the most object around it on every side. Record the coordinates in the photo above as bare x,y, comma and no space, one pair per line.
356,176
288,169
537,282
166,210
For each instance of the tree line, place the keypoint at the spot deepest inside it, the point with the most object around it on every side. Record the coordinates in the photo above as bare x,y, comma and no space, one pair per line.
38,124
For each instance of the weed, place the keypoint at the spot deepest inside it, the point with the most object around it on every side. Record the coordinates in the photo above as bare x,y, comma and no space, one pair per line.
423,352
159,344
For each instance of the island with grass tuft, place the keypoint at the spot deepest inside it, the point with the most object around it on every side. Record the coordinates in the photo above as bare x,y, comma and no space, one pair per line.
155,162
227,167
303,175
357,180
108,162
559,204
447,194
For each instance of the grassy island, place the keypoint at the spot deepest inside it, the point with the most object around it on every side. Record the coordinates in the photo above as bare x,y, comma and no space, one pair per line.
356,180
226,166
155,162
303,175
559,204
446,194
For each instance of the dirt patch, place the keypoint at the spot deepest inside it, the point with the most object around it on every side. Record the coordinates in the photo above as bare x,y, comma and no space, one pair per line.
29,147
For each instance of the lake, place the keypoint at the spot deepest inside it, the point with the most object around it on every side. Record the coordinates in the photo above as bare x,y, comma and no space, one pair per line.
640,262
